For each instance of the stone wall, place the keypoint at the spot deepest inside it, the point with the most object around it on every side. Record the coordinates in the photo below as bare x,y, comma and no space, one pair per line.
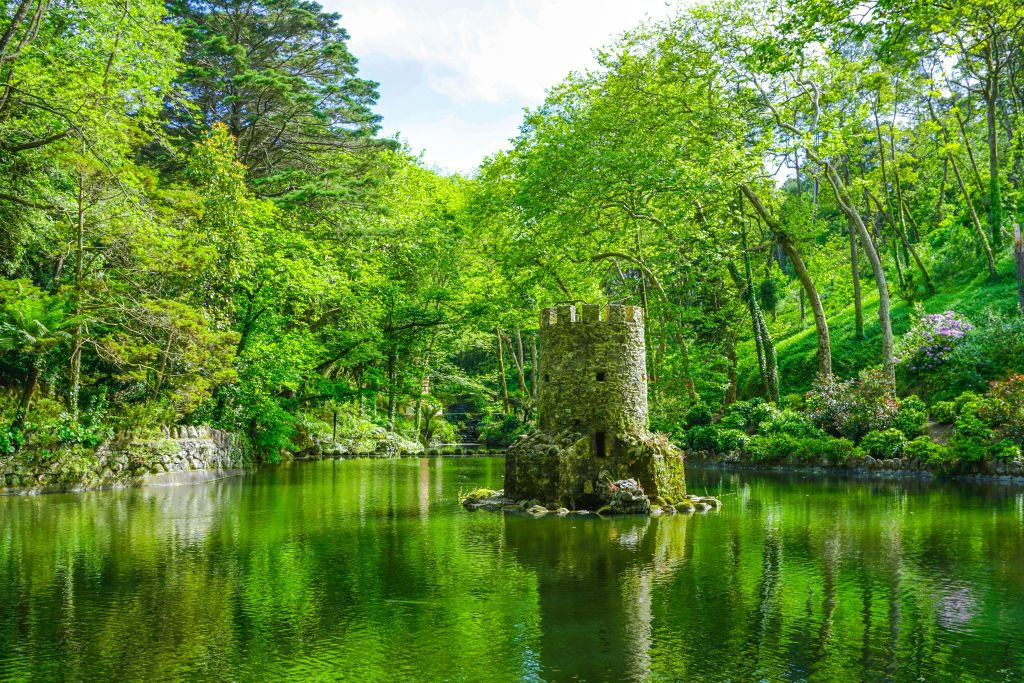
185,454
593,373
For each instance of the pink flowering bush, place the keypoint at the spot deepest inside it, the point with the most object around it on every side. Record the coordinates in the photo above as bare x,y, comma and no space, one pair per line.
852,407
930,340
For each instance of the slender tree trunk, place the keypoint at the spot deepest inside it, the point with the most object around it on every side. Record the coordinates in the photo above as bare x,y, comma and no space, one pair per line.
970,151
942,191
163,367
1018,253
25,402
820,322
771,363
730,354
990,259
910,250
501,371
392,404
858,305
533,368
684,350
995,208
746,295
884,316
78,335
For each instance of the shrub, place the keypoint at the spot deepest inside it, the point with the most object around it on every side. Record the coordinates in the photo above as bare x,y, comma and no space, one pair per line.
1005,450
11,440
927,451
886,443
781,447
759,411
792,401
703,438
699,414
827,450
930,341
994,349
1004,408
733,420
965,398
943,411
911,417
773,448
496,430
746,415
852,408
971,436
730,440
789,422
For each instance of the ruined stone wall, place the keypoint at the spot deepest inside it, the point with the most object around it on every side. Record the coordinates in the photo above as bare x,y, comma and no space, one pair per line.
593,374
185,454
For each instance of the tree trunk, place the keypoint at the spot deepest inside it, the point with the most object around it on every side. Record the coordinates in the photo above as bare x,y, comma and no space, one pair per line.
746,295
730,354
75,370
900,232
163,367
884,317
25,402
820,322
970,150
858,306
1018,253
995,208
392,361
942,191
974,219
533,368
501,371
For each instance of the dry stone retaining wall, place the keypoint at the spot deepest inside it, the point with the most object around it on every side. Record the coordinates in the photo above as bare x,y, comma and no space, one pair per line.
185,454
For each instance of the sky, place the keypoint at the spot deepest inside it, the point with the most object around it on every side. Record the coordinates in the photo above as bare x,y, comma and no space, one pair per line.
455,76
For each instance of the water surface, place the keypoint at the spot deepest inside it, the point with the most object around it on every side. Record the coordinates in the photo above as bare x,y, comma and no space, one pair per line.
369,570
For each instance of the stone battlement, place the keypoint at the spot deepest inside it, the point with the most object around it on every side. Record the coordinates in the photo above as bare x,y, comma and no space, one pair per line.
590,313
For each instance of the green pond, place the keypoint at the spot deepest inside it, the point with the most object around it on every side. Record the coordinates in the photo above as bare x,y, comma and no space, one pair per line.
370,570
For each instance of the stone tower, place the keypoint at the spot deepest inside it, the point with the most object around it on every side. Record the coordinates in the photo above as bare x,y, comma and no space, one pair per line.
592,375
592,424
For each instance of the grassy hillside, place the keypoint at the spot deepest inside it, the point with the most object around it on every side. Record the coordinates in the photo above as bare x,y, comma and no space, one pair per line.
970,293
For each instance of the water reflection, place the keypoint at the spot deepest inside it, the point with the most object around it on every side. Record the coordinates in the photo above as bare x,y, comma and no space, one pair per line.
370,570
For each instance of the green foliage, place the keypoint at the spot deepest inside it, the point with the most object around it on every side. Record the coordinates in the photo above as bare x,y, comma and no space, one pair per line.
703,438
927,451
501,430
1005,449
788,449
943,411
11,440
699,414
1004,408
912,417
852,408
886,443
732,440
790,422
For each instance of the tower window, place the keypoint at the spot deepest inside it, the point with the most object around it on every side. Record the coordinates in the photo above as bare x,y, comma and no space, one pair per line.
600,377
599,444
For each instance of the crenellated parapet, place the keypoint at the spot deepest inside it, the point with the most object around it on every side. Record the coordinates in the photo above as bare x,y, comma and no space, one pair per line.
571,314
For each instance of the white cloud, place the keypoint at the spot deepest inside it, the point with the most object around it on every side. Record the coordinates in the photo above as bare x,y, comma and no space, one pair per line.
455,75
492,51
